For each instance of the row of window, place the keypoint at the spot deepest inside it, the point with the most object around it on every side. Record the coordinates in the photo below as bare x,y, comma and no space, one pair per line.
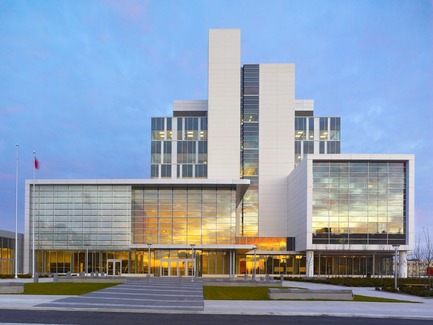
182,171
358,166
188,128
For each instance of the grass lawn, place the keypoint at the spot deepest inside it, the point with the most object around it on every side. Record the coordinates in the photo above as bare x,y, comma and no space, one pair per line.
377,299
261,293
235,293
64,288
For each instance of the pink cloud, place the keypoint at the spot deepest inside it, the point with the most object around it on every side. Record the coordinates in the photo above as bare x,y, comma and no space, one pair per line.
11,110
131,11
6,176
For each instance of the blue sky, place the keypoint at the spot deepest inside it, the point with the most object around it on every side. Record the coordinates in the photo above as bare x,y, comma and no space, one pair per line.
80,80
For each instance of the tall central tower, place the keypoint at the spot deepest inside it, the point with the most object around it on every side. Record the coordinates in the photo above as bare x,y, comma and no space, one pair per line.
224,103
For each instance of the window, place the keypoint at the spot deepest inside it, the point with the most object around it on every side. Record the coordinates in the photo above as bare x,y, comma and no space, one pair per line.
165,171
333,147
186,171
186,151
157,125
202,152
300,128
334,133
308,147
298,153
156,152
203,128
167,152
322,147
169,128
179,128
201,171
323,128
311,128
191,128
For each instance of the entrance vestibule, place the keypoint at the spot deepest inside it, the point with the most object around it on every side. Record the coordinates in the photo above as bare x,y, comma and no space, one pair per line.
114,267
175,267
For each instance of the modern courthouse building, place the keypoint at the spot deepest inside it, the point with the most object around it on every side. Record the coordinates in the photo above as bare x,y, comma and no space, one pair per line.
249,181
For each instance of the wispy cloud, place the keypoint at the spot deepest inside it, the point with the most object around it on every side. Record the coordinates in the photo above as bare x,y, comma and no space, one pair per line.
6,176
132,11
11,110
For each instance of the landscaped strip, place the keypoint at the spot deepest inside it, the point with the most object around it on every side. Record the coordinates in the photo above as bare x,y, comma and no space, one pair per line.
261,293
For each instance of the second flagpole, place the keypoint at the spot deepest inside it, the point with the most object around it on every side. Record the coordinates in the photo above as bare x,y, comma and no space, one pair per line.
16,212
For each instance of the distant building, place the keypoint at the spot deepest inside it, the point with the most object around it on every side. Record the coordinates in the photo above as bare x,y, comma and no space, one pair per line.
248,181
7,252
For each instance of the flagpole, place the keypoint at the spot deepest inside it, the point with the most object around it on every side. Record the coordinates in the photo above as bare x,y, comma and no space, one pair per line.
33,214
16,212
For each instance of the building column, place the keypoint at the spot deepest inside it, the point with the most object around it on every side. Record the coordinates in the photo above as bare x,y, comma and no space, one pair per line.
403,264
234,263
230,264
309,262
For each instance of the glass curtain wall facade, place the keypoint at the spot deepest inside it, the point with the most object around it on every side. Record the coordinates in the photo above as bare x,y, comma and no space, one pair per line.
77,222
82,216
357,202
349,264
250,148
184,215
79,227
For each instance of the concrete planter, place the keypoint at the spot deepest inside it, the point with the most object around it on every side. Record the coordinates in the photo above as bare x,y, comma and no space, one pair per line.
306,294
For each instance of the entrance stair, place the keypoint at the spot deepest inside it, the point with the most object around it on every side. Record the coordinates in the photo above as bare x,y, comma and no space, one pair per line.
156,293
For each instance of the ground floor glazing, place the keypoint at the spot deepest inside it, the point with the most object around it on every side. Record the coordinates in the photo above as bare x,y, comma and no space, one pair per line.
211,263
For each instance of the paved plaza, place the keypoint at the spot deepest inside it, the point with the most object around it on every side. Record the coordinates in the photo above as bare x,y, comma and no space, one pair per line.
175,295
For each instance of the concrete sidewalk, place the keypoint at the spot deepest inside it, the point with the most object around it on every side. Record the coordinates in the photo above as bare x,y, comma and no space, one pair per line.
418,308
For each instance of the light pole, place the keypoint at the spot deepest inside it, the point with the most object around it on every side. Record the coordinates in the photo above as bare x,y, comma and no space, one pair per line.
254,264
395,265
148,261
193,262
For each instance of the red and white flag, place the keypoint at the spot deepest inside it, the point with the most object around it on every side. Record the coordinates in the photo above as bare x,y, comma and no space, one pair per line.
36,163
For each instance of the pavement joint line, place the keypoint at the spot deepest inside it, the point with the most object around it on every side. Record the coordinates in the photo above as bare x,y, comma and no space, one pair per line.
140,294
143,299
91,297
141,284
184,283
107,306
164,288
150,289
159,285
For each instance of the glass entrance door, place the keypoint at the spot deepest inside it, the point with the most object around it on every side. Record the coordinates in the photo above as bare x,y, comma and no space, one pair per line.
174,267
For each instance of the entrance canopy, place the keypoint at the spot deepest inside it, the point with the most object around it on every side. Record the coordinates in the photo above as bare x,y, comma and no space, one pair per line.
188,246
